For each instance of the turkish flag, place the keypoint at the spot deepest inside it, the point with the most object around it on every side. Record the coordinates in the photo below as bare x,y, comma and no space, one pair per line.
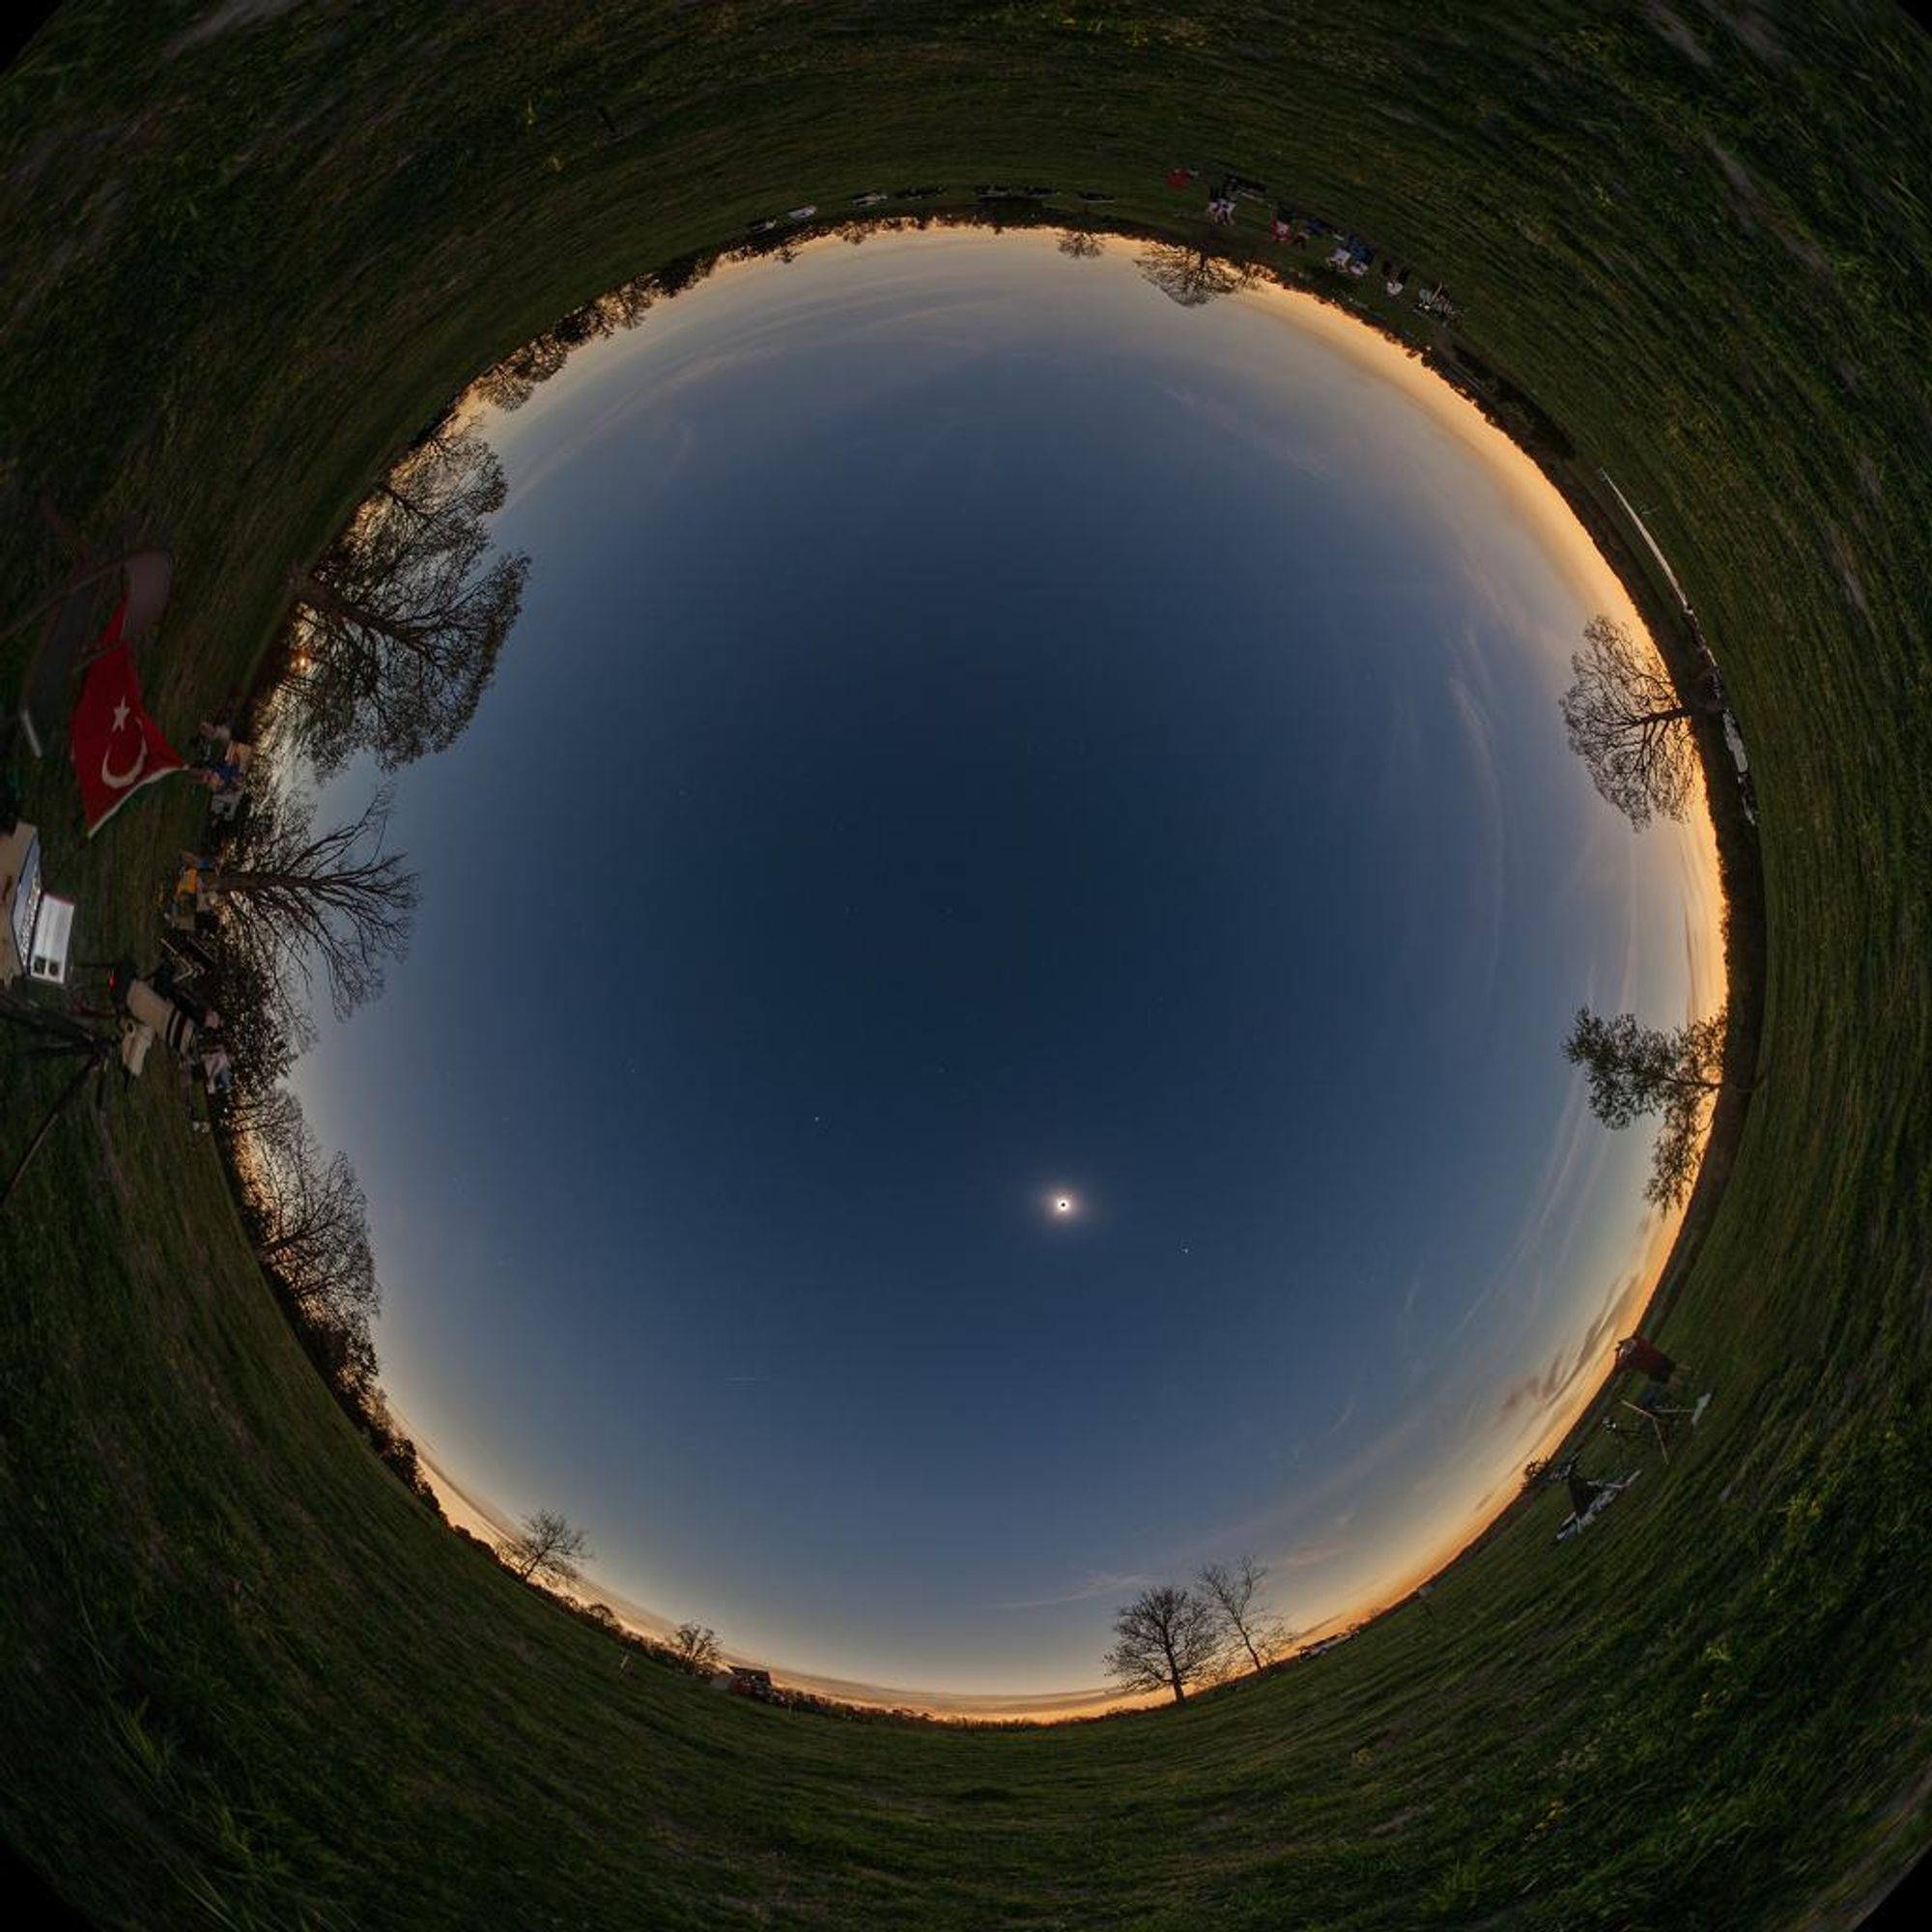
117,747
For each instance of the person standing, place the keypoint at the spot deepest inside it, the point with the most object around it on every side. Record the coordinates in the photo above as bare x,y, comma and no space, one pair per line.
1646,1358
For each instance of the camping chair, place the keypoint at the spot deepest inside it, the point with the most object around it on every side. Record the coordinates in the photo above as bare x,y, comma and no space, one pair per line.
190,897
1656,1424
189,955
1663,1417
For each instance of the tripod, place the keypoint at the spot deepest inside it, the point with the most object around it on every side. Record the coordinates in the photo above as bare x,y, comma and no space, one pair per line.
62,1038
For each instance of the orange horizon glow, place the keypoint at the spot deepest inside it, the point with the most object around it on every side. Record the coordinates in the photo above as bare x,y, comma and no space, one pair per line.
1410,1554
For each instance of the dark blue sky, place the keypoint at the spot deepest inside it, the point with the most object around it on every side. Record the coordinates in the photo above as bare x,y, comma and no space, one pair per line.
978,730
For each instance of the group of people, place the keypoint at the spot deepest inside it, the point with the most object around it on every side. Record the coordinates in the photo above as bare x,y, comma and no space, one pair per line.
221,764
159,1004
1351,255
1664,1380
155,1006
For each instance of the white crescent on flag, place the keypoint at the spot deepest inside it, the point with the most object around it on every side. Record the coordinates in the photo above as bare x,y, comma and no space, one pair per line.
121,780
109,708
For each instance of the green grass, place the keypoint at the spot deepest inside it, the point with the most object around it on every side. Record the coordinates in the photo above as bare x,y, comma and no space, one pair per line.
250,1683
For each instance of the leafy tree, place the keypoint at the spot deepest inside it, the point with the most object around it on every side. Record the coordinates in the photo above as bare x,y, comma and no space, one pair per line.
1168,1637
1629,725
1080,244
696,1648
628,303
549,1546
1637,1069
294,898
1231,1589
446,484
518,377
251,1108
343,1354
403,617
513,380
311,1232
1192,277
397,1452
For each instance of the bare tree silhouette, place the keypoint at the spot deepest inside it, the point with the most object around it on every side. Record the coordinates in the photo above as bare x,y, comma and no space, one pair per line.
1192,277
402,619
1168,1637
696,1648
1629,725
266,1025
518,377
294,898
1232,1588
549,1546
312,1219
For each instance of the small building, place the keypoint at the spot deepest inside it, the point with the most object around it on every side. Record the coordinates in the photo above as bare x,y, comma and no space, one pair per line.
749,1683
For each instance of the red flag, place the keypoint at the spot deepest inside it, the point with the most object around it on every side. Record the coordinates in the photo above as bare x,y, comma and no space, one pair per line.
117,747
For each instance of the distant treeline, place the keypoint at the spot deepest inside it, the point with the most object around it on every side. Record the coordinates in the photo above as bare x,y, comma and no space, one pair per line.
511,383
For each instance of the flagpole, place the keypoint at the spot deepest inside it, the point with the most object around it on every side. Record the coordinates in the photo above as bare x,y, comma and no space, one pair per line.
61,595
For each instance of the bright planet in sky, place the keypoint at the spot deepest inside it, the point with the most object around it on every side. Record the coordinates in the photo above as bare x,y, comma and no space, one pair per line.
973,715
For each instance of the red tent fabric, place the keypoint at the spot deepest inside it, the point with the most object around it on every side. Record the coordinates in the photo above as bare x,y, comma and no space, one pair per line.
117,747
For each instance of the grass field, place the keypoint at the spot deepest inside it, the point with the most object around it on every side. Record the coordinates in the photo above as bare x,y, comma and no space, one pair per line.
250,1683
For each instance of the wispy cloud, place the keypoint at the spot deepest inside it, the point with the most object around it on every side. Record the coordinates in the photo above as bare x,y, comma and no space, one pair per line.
1307,1555
1105,1583
1241,424
1570,1145
528,479
1545,1388
1412,1360
1484,928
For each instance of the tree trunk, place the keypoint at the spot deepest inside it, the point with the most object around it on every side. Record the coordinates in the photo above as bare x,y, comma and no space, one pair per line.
409,636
